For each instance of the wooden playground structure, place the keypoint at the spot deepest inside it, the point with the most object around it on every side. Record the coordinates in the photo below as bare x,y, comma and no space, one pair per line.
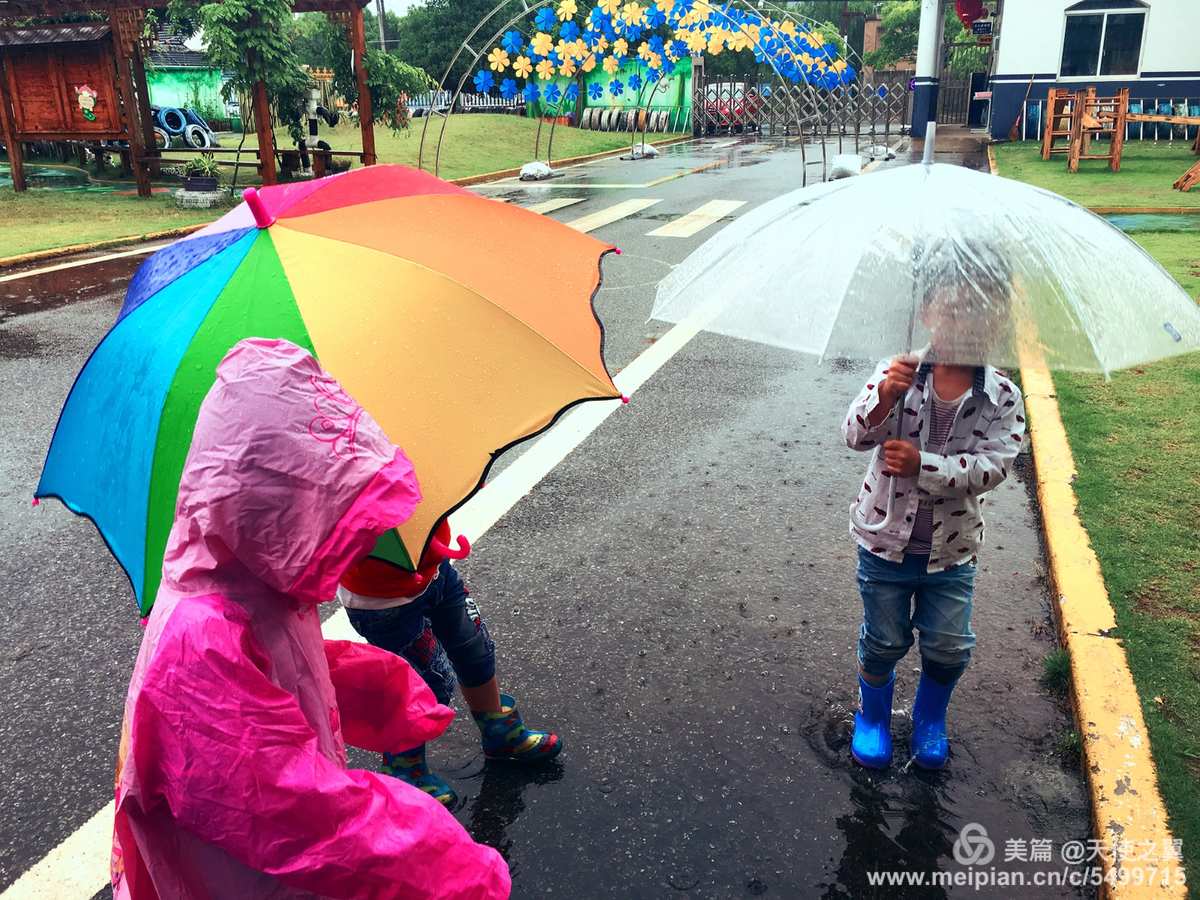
1074,119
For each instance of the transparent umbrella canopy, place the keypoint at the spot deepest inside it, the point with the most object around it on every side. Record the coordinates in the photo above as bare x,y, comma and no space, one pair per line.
977,265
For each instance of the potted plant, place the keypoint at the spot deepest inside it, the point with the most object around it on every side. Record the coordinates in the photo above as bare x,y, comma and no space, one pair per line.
200,173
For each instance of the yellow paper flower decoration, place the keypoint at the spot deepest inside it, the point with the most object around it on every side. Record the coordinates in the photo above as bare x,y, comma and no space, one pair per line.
567,69
654,61
522,66
696,41
816,40
665,6
633,14
716,43
611,65
602,45
542,43
498,60
644,50
580,51
610,6
545,70
589,63
787,27
620,47
566,9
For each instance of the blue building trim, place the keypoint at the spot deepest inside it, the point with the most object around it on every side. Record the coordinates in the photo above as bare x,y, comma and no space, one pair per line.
1008,91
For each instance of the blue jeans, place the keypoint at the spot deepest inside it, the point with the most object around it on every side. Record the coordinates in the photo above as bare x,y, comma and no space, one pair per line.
898,597
440,633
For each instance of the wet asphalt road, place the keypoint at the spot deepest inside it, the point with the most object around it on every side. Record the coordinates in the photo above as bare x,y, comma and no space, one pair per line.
677,598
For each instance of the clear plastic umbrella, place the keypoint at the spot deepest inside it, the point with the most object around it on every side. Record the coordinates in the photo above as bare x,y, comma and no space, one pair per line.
865,267
973,267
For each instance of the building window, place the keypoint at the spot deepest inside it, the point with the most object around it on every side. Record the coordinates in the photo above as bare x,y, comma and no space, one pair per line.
1103,37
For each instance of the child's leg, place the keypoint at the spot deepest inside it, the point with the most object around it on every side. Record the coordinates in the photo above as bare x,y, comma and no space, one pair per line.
943,618
405,631
887,590
886,634
459,628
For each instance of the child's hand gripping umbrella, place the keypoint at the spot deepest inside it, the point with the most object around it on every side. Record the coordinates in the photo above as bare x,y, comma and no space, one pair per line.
976,269
418,296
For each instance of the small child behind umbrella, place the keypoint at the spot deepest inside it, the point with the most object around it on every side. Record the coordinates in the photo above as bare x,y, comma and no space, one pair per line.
941,430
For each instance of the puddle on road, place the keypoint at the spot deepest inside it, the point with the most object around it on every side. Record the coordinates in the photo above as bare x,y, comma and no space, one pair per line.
55,289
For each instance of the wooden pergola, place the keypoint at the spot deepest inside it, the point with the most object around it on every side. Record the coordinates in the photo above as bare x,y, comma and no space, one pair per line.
126,21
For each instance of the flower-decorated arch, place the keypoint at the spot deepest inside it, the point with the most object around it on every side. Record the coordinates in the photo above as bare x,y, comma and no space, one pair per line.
540,51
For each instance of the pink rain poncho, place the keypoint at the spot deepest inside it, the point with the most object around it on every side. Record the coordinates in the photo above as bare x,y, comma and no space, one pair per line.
231,774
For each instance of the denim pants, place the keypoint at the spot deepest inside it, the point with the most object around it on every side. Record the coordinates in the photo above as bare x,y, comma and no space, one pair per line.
898,597
440,633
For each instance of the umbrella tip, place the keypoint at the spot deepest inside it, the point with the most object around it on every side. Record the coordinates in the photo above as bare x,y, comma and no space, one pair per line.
624,398
262,218
36,502
618,250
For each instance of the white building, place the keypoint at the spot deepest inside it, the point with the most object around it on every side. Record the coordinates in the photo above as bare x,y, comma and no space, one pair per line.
1151,47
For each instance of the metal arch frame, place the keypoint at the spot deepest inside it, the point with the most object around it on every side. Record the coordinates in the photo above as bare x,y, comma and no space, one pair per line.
527,8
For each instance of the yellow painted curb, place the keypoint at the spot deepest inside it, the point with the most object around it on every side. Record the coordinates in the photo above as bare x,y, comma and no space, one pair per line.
1129,817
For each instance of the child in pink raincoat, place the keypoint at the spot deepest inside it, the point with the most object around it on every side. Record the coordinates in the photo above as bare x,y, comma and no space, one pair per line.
231,774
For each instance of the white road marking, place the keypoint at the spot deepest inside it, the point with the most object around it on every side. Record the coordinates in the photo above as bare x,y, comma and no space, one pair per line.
698,219
724,145
549,206
79,866
74,264
611,214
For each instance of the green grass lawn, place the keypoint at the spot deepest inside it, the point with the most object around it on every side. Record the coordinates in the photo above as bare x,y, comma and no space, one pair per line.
40,219
1147,173
1136,441
474,145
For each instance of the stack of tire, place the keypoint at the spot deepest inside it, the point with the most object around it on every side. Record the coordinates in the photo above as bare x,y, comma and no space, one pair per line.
186,124
597,119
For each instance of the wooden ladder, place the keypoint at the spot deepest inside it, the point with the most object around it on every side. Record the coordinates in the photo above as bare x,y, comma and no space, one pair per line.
1096,117
1060,112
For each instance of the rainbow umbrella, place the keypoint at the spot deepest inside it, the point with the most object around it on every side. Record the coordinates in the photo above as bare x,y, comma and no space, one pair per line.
463,325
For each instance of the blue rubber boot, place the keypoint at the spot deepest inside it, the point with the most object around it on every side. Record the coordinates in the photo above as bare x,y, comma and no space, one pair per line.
872,743
930,747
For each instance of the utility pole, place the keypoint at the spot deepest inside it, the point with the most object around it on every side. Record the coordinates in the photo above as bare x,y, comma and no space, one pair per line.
380,12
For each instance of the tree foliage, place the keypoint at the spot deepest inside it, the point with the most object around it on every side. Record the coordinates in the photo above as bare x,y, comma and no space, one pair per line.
899,32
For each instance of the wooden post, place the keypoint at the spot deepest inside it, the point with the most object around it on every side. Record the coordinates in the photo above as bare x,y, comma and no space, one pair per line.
129,104
143,106
366,121
266,138
8,131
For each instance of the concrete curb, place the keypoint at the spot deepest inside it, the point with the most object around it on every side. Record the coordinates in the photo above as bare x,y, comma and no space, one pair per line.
1127,808
72,249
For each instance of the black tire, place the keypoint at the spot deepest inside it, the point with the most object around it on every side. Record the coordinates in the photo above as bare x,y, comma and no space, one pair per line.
162,140
196,137
172,120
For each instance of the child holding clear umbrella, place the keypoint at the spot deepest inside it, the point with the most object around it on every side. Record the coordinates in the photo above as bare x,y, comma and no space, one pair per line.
943,428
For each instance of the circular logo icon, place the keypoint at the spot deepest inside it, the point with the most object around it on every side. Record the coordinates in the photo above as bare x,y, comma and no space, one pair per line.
974,847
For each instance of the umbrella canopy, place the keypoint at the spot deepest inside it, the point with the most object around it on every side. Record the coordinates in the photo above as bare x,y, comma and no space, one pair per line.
461,324
852,268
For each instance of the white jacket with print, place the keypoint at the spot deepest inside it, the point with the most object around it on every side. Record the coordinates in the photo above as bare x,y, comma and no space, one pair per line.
985,438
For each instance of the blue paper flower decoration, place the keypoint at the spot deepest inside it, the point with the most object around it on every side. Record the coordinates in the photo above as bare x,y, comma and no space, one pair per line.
668,67
512,41
484,81
653,76
635,81
597,19
632,33
616,87
571,94
508,89
553,94
531,92
545,20
569,31
595,90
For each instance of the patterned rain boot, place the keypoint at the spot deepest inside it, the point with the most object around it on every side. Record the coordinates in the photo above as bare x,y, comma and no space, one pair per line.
930,747
872,742
410,767
504,736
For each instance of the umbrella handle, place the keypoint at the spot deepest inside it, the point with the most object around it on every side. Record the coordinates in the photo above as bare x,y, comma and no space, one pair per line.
464,548
855,517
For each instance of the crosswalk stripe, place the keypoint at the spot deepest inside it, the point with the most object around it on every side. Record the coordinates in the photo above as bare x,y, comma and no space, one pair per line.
549,206
698,219
611,214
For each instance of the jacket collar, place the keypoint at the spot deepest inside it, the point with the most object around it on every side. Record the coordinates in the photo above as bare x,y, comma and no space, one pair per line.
987,380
